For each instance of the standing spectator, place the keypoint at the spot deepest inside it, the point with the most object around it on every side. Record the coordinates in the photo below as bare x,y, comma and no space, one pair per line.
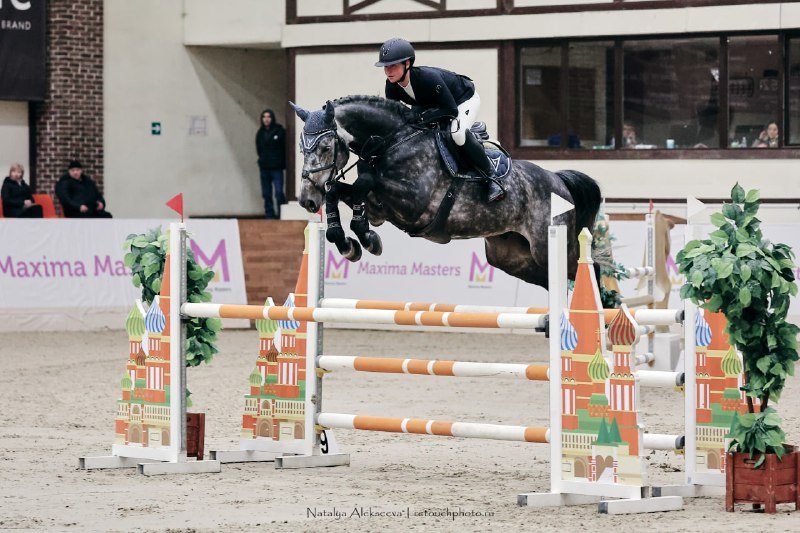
271,149
79,196
17,196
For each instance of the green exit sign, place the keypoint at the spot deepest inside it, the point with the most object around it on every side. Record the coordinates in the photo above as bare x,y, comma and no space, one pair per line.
155,128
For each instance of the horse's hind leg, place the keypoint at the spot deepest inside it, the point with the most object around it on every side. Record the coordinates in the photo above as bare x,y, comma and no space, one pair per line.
511,253
370,240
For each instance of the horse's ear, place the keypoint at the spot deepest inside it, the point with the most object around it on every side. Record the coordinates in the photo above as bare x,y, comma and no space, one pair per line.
302,113
329,112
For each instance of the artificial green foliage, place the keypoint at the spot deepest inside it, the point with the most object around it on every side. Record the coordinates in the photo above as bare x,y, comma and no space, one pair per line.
146,256
602,244
751,280
758,433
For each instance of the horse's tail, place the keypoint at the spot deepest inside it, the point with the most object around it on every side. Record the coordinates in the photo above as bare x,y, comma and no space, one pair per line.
585,195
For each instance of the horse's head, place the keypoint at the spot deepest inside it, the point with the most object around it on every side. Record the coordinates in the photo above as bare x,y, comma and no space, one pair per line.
324,153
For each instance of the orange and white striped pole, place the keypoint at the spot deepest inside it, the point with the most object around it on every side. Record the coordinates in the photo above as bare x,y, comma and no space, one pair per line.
366,316
432,367
420,426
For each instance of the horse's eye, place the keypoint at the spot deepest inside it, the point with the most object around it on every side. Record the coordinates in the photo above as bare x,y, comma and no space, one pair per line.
325,149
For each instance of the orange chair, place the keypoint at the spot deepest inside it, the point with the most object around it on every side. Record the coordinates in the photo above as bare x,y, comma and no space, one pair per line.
1,209
48,207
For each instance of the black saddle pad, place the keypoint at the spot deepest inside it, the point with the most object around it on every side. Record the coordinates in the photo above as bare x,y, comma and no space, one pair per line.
448,151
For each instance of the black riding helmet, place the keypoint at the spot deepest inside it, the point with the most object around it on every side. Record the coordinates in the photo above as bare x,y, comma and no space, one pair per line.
394,51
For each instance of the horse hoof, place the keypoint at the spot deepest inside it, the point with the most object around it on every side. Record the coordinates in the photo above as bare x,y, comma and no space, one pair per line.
374,244
354,253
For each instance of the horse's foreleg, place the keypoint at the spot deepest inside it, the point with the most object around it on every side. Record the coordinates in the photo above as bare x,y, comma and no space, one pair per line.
359,224
348,247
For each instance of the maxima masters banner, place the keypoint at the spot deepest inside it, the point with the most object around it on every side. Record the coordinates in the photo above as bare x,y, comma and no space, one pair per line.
22,49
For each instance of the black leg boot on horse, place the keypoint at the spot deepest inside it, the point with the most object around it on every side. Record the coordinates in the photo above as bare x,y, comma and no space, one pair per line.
359,225
334,233
475,154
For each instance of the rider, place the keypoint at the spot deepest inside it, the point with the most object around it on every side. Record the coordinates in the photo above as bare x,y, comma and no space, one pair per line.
442,94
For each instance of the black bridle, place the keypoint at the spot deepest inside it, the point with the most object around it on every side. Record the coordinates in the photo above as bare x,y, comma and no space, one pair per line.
372,151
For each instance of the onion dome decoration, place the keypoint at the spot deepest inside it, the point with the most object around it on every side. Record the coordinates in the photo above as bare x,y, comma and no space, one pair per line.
155,321
255,378
126,382
598,368
621,331
731,364
134,324
702,331
265,326
289,324
569,337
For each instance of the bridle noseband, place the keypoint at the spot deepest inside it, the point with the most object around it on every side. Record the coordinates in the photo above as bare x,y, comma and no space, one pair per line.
308,144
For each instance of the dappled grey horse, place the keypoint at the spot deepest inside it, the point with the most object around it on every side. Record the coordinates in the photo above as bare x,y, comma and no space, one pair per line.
404,181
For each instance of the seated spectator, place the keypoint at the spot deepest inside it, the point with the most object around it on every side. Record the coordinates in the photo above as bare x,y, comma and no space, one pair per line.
17,197
629,135
768,138
79,196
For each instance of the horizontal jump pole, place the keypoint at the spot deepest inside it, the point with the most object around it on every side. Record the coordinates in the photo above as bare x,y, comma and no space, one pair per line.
366,316
657,441
644,299
440,428
640,272
346,303
428,367
645,317
660,378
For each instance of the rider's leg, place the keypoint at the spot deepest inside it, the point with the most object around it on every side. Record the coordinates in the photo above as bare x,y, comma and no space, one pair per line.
472,148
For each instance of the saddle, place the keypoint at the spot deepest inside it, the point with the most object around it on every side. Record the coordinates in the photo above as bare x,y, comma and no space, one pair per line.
455,164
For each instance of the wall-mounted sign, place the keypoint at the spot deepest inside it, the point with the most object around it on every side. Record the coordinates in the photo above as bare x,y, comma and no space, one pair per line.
22,49
155,128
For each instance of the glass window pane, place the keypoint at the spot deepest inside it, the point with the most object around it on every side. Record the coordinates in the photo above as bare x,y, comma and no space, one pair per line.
793,104
671,94
754,72
540,96
591,95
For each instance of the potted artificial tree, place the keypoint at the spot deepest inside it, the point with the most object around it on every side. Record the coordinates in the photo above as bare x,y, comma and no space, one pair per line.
146,257
751,280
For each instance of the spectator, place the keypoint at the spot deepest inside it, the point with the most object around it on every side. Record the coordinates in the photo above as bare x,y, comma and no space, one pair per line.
79,196
768,138
17,196
629,135
271,149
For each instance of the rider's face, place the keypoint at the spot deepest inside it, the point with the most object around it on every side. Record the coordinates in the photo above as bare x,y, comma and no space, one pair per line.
394,73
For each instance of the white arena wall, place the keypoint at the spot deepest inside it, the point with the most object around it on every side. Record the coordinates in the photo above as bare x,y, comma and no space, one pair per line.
208,101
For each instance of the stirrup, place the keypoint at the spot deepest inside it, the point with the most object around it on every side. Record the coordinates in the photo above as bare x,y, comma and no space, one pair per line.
496,192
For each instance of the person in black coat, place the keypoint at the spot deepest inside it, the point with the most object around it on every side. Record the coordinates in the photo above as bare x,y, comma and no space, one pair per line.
271,150
442,94
79,196
17,197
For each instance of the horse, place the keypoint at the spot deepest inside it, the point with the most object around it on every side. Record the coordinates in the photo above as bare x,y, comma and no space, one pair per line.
403,179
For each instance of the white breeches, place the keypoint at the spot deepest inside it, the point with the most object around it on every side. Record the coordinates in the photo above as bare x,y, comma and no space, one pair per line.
467,115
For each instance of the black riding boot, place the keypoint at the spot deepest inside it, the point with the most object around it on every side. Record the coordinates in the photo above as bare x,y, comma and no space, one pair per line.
474,151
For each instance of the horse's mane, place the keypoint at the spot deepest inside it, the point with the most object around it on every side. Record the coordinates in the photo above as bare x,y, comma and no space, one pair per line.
391,106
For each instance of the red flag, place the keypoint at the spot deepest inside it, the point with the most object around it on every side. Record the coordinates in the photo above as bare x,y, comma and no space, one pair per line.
651,206
176,204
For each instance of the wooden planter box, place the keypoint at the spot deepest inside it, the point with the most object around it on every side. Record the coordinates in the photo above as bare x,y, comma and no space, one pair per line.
773,483
195,434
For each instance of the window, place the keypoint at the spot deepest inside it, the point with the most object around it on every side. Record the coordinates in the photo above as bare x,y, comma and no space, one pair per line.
589,95
754,90
671,94
658,93
540,93
793,101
